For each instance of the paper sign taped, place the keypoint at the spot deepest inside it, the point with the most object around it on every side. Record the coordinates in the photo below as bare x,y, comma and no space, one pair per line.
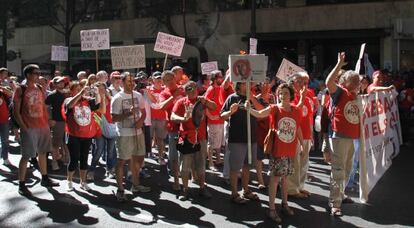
208,67
253,46
169,44
286,69
247,68
59,53
128,57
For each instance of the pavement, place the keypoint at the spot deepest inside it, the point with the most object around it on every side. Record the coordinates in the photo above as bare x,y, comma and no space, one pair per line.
390,202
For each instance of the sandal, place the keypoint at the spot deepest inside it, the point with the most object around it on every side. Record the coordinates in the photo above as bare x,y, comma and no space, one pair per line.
237,199
251,196
287,210
336,212
261,187
272,214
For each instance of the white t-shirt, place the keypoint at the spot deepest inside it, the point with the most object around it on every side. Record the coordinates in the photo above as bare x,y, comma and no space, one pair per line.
122,103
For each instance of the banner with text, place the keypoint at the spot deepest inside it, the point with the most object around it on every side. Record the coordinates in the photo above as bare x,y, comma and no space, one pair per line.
286,69
95,39
382,138
169,44
59,53
128,57
248,68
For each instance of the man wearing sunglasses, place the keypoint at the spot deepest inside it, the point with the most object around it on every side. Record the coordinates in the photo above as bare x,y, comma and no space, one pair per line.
31,115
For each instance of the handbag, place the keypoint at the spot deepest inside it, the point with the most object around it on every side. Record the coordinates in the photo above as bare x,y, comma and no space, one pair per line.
108,129
186,147
269,141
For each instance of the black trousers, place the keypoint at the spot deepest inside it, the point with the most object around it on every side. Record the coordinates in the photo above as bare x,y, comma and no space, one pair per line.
79,151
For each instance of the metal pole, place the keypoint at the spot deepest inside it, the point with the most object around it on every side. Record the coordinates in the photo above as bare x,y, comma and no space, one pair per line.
97,61
249,133
165,62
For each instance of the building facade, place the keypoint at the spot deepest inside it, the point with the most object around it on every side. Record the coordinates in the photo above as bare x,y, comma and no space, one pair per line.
309,33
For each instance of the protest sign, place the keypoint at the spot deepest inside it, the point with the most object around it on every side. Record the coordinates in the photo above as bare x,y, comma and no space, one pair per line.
382,138
247,68
286,69
59,53
361,55
96,39
253,46
128,57
169,44
208,67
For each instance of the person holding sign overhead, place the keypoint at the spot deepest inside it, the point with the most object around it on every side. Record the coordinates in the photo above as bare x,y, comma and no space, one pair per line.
345,127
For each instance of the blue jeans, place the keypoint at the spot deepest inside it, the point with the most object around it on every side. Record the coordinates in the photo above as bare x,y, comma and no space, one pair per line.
351,181
4,133
104,144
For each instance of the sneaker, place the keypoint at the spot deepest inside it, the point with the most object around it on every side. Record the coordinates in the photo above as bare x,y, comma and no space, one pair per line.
213,168
84,186
183,196
111,174
90,176
70,186
24,191
47,182
6,162
205,193
144,174
140,188
55,165
120,196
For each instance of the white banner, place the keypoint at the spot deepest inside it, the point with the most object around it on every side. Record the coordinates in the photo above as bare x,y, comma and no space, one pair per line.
59,53
208,67
247,67
128,57
95,39
286,69
169,44
253,46
382,138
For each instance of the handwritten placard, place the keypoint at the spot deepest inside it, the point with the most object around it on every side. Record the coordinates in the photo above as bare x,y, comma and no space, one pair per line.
208,67
128,57
59,53
95,39
169,44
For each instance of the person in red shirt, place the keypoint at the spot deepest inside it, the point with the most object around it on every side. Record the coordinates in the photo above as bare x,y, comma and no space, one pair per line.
346,128
158,116
296,182
286,119
379,83
168,97
216,92
31,115
189,133
5,94
77,111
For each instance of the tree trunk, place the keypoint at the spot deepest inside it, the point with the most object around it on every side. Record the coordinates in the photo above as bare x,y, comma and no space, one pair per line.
203,53
67,44
4,44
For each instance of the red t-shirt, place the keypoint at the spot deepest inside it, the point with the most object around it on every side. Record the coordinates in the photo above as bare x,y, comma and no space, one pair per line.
346,114
307,117
4,109
287,125
157,114
405,103
164,95
79,121
187,128
33,109
215,94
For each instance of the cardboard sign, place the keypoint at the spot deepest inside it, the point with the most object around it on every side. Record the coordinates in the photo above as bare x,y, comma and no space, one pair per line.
208,67
169,44
247,68
128,57
253,46
96,39
59,53
286,69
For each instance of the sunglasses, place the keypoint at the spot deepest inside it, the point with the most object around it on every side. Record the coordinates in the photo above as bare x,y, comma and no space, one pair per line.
36,72
117,78
190,89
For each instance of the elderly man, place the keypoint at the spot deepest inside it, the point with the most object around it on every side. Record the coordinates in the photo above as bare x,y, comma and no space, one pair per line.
345,129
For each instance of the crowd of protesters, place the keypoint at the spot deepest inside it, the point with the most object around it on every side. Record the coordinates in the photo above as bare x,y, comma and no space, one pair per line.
122,118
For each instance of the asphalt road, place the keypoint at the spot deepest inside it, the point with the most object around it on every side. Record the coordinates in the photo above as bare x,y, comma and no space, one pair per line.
390,205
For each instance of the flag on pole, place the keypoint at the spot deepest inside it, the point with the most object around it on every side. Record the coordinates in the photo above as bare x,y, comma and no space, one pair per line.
369,70
286,69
